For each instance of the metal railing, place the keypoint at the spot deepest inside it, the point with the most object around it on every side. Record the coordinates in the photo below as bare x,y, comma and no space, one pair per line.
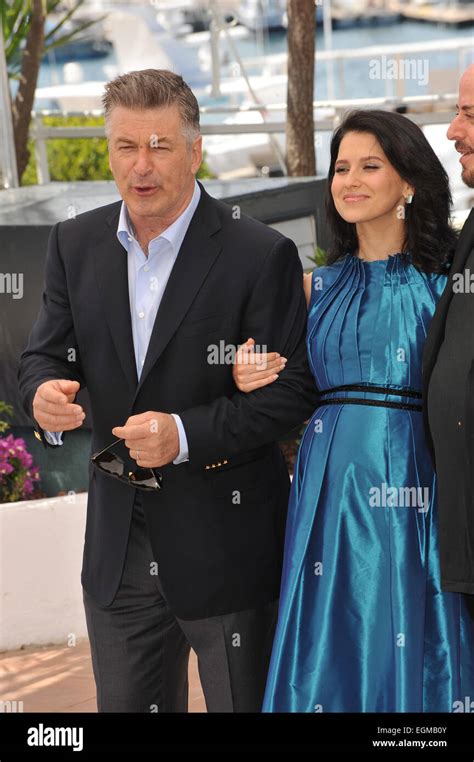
276,64
424,110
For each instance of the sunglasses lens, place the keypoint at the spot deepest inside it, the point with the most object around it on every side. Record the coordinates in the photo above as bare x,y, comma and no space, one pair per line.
110,463
145,478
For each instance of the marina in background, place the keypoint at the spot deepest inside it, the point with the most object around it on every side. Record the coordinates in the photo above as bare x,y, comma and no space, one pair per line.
373,53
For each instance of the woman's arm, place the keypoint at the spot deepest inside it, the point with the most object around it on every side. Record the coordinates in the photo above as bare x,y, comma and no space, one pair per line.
307,286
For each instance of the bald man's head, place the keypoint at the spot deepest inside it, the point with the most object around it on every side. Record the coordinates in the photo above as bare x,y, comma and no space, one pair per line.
461,129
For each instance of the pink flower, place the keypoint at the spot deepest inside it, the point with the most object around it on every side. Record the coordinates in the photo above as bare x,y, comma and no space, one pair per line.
18,474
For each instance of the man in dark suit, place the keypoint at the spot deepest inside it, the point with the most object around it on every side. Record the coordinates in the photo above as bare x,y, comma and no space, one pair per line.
143,303
448,367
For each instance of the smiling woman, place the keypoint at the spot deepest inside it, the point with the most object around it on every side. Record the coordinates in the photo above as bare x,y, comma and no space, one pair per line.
364,625
384,172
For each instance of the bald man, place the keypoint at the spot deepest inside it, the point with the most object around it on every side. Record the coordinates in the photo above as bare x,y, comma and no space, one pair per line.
448,367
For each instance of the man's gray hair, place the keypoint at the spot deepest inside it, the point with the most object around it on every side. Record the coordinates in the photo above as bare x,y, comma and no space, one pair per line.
153,88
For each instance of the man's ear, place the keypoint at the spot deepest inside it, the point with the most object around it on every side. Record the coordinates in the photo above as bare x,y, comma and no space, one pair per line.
196,154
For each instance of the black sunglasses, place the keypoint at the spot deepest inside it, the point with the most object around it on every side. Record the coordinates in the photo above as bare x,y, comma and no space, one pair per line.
148,479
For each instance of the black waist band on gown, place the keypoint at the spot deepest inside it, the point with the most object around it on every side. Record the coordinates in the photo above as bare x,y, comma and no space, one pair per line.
372,389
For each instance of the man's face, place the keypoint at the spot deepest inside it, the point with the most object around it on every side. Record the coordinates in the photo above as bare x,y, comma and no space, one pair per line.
461,128
153,163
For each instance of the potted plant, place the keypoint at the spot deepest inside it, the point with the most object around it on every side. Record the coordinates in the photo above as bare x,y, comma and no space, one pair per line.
42,542
19,477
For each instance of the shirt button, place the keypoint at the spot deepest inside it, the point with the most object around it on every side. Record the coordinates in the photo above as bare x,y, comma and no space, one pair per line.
129,237
141,314
146,268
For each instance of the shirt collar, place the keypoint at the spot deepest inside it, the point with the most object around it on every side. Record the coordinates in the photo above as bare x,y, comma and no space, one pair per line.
174,233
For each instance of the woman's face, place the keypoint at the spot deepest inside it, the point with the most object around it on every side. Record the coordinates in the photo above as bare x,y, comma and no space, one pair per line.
365,186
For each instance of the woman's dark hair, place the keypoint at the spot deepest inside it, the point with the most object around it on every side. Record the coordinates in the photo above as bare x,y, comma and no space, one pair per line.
429,237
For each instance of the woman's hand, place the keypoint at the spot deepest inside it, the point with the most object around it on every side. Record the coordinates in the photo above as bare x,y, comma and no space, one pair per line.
252,370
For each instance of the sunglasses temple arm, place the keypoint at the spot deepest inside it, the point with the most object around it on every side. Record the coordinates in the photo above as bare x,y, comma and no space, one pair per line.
116,441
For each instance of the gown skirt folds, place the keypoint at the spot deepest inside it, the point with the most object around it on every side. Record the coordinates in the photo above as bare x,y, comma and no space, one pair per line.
363,625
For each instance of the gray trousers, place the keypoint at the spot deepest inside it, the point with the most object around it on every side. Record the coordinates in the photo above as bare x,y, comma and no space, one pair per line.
140,650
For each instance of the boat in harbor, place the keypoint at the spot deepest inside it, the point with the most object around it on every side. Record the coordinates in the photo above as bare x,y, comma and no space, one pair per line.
89,43
266,14
241,87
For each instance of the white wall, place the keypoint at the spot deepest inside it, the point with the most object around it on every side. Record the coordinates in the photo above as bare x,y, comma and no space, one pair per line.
302,232
41,544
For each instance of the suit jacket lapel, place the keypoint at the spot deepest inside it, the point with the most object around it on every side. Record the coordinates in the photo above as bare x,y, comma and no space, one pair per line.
112,277
436,332
196,256
465,243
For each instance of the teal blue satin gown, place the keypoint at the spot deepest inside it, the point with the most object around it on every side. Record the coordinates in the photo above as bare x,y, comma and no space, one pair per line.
363,625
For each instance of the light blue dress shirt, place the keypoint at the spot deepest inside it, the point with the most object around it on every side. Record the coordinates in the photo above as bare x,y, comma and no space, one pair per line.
147,279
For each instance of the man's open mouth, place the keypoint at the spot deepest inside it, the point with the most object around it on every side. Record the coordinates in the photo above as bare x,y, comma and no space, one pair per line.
145,190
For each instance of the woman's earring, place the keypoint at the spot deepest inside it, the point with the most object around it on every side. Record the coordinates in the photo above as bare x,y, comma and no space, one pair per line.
409,198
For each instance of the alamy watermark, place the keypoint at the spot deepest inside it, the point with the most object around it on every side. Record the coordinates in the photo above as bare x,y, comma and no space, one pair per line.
463,283
226,354
11,706
415,69
12,283
386,496
42,735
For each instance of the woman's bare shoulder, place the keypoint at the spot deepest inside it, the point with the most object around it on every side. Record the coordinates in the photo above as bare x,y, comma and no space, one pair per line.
307,278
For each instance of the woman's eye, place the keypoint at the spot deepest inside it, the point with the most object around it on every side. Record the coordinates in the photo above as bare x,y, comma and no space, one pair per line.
341,169
371,166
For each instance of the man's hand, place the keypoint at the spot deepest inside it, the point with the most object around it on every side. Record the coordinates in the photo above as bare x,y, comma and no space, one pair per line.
151,437
53,406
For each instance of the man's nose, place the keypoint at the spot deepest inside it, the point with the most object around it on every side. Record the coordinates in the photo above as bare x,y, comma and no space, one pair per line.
143,164
455,131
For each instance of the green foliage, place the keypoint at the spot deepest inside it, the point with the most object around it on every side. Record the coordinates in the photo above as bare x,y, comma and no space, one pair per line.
319,258
204,171
16,20
8,411
75,159
72,159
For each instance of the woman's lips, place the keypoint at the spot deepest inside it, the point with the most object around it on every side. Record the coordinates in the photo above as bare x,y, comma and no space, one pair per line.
353,198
